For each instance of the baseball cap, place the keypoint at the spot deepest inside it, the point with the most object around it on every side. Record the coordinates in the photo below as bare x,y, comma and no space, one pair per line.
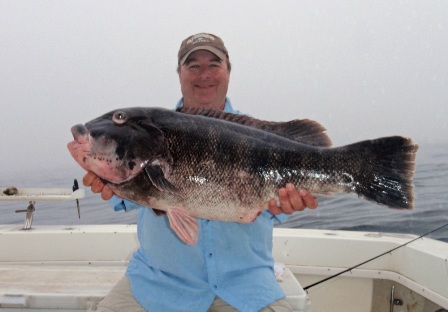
202,41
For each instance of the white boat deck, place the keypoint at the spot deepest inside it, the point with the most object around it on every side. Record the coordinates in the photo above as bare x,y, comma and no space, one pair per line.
56,286
72,268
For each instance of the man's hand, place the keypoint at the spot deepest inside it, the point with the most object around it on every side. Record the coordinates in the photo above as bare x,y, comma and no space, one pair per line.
97,186
292,200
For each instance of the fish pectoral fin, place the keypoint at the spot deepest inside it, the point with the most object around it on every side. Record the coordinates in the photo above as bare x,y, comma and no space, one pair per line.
157,177
185,226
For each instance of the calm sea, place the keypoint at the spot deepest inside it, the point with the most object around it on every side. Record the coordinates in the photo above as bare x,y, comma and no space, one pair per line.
341,212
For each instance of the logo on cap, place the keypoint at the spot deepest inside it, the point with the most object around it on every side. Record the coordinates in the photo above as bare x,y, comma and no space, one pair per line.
202,41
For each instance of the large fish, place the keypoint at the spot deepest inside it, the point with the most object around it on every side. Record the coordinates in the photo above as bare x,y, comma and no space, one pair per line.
219,166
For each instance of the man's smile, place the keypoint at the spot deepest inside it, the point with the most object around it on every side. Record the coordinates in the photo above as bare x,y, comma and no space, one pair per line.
204,85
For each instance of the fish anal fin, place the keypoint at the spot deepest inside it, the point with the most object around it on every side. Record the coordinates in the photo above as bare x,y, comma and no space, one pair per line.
304,131
156,175
185,226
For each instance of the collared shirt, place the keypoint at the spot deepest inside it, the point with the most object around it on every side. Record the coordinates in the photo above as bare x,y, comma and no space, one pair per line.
230,260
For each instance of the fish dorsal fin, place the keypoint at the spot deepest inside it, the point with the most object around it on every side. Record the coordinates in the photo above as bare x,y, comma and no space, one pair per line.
304,131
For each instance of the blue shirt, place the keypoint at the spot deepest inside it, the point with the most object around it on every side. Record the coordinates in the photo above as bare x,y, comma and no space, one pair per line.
230,260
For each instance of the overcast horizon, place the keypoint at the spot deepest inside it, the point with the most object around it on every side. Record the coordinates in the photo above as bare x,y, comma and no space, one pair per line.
363,69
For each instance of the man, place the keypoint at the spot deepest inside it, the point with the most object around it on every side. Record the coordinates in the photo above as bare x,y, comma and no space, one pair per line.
231,266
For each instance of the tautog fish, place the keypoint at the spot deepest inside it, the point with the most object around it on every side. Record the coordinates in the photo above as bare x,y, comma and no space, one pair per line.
219,166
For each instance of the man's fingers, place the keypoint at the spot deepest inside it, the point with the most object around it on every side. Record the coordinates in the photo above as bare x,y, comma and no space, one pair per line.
97,186
273,208
88,178
292,200
309,200
285,203
106,193
295,198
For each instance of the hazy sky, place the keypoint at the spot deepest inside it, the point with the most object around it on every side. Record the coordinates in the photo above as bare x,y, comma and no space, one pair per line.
363,69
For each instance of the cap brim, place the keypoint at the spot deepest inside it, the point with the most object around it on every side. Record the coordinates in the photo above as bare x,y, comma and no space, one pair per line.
215,51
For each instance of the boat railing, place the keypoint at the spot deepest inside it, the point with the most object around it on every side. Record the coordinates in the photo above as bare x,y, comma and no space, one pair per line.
32,195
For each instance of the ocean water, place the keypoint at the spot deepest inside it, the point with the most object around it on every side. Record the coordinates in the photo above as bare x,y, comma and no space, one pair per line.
340,212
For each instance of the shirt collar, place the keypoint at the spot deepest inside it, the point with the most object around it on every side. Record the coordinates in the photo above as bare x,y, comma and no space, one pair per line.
227,107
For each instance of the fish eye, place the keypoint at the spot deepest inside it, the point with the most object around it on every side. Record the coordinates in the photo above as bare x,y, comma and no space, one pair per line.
119,117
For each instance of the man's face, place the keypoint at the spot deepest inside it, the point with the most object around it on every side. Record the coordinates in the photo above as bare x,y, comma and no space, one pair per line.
204,80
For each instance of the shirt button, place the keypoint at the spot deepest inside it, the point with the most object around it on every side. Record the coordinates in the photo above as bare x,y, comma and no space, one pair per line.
210,255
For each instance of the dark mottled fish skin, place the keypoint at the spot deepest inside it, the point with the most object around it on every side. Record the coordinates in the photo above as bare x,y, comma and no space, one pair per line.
226,167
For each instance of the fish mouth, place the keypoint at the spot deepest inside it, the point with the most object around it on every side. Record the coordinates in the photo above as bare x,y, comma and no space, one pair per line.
80,133
99,156
80,140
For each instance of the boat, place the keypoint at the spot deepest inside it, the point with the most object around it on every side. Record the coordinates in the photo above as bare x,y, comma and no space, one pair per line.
71,268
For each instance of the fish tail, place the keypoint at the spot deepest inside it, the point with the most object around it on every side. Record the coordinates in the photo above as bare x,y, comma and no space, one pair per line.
387,171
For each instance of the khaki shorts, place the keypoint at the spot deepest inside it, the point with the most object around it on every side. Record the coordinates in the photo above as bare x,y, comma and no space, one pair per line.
120,299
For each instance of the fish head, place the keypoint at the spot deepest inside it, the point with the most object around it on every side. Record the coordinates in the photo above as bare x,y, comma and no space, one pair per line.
117,146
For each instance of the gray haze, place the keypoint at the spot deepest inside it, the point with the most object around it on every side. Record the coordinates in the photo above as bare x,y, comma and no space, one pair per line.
363,69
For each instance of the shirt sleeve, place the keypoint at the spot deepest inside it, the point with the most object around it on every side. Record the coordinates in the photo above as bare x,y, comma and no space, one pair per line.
278,218
118,204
